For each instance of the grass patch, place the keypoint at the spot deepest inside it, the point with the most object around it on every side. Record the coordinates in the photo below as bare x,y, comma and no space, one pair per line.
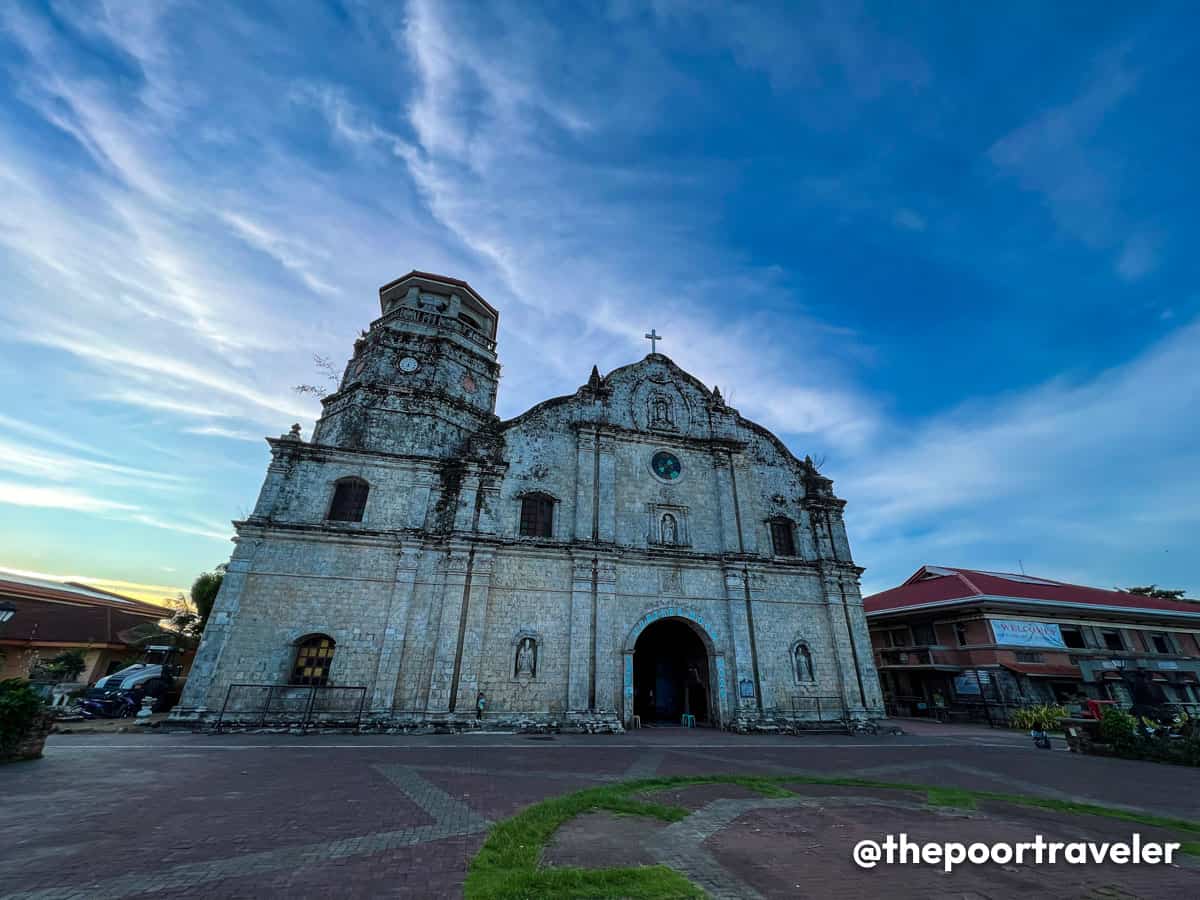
506,866
950,797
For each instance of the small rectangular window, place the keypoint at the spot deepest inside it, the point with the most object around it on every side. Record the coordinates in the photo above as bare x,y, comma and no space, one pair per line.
537,516
960,633
1161,643
923,635
1112,640
1029,656
781,538
1073,637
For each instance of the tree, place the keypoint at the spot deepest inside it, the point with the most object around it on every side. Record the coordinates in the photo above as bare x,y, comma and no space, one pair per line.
327,370
1153,590
184,625
204,593
66,666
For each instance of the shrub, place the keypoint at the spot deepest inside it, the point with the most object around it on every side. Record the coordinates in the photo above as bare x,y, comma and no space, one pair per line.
67,665
19,704
1038,718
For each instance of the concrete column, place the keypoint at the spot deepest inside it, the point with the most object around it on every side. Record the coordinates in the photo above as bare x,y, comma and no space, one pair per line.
391,649
579,671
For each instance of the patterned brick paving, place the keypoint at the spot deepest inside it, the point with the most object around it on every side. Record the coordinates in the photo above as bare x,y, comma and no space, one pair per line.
108,816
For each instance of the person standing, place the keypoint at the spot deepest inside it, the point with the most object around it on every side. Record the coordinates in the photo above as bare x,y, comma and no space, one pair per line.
480,703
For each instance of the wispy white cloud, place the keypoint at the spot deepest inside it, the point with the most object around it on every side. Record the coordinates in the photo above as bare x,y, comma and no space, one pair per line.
1139,257
20,494
288,252
909,220
231,433
1098,469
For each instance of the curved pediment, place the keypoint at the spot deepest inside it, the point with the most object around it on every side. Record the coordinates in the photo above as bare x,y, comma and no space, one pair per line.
652,395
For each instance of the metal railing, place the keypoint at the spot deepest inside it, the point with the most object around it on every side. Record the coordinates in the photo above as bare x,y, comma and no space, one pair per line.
259,705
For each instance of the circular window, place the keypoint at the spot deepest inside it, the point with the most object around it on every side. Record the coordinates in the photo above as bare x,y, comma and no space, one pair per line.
666,465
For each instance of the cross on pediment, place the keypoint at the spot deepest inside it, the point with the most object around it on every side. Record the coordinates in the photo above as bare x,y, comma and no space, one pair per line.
653,337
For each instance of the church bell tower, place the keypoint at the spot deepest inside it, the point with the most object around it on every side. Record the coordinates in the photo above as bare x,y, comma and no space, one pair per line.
423,377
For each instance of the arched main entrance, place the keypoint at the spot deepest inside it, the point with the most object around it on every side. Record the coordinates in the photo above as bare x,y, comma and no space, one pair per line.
670,674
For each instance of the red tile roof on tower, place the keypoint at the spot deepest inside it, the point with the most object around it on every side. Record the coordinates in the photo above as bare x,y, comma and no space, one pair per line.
943,585
444,279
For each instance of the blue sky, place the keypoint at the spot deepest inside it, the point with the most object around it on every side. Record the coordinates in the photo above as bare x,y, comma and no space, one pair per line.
950,250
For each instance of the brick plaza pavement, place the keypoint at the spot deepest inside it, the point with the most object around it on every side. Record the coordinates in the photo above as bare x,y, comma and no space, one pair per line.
178,815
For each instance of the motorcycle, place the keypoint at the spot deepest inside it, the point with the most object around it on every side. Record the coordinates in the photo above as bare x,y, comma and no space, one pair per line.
102,704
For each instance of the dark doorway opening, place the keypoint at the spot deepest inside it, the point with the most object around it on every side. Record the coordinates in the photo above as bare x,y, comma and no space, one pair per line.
670,674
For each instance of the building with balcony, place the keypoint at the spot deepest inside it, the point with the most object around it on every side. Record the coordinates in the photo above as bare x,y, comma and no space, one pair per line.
963,639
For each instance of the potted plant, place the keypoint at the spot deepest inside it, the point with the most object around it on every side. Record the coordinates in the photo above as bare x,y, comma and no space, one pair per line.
24,722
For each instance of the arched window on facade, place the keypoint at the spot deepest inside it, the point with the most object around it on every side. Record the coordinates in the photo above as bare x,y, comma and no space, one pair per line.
314,656
349,500
783,539
537,515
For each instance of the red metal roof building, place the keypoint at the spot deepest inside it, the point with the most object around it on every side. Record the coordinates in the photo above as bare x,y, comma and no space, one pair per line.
51,617
960,637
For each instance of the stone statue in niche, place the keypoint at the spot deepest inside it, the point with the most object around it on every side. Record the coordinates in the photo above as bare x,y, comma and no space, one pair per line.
527,658
661,409
803,660
670,530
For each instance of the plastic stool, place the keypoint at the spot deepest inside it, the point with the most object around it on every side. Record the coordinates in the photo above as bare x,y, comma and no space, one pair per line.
688,720
637,722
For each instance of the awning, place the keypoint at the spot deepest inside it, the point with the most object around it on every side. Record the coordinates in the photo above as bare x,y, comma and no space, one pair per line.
1110,676
1045,670
1162,678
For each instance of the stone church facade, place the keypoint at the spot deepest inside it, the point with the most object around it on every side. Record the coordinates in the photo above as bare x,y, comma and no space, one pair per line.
634,548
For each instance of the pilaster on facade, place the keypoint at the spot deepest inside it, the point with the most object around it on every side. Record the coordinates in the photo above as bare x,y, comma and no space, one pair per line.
606,492
469,660
606,686
395,632
580,675
747,699
455,566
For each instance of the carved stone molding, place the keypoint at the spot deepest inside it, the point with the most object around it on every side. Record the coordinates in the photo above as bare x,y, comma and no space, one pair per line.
670,581
606,572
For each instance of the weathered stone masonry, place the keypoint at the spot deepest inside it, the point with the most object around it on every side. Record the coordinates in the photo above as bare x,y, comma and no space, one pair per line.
431,597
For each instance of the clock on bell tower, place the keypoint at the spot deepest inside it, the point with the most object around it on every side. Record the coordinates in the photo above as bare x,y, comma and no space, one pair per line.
423,378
